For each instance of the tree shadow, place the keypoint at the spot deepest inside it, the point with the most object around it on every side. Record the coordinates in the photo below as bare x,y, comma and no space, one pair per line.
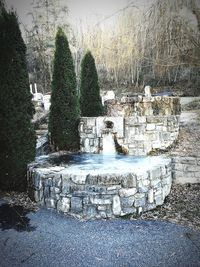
14,217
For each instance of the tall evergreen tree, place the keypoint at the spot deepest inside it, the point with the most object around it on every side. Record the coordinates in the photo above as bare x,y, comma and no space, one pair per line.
64,111
90,99
17,136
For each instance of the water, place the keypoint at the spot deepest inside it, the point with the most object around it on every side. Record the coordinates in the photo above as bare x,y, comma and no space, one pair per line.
100,164
108,144
88,159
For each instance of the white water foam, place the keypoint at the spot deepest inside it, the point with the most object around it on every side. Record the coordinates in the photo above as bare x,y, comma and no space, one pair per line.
108,144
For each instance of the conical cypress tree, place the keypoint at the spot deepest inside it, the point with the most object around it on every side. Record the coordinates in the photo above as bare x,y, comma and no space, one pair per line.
90,99
17,136
64,111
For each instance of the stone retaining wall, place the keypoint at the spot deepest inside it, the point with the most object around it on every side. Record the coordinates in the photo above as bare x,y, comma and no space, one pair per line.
139,134
143,106
186,169
90,195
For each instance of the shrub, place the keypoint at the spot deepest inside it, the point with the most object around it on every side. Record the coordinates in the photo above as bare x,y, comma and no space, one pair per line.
90,99
64,111
17,136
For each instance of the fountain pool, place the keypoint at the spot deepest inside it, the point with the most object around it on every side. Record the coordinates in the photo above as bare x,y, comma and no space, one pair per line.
99,183
100,186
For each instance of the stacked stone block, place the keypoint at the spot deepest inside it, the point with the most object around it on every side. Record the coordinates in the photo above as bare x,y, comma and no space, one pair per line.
186,169
140,134
105,195
143,106
141,124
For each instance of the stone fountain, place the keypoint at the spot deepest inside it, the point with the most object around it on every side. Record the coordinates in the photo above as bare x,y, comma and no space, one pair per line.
102,182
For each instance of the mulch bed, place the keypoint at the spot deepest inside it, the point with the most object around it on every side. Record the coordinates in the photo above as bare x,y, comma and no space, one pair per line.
20,199
182,206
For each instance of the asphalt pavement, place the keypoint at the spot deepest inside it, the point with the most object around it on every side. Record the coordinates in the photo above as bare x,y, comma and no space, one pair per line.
54,240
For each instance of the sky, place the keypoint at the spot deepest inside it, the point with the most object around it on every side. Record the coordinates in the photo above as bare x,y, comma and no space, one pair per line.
90,10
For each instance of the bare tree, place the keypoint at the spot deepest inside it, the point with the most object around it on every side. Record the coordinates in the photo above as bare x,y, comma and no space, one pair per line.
158,47
47,15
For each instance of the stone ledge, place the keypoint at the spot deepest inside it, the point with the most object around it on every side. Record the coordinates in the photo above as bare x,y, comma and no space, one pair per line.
186,169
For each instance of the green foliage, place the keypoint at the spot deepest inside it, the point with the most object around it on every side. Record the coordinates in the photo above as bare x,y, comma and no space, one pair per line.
17,136
90,99
64,111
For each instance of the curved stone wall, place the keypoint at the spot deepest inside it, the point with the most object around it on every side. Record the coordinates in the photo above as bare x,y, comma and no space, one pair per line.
139,134
89,193
140,124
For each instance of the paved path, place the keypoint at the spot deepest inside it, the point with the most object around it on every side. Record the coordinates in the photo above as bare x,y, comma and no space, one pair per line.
54,240
189,135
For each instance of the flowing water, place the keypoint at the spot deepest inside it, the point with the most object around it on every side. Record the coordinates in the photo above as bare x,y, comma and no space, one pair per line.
108,144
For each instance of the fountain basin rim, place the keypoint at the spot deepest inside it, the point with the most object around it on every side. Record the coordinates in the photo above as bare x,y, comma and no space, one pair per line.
112,168
101,193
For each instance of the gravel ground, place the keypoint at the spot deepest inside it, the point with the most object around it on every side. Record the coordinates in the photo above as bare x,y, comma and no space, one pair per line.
51,239
38,237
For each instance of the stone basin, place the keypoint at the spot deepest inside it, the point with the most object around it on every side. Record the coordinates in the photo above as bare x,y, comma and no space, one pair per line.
98,186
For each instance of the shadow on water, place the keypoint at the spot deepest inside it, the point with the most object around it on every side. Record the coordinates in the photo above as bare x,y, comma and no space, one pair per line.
14,217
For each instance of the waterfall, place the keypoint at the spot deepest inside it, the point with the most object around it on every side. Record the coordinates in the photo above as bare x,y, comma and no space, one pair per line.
108,144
